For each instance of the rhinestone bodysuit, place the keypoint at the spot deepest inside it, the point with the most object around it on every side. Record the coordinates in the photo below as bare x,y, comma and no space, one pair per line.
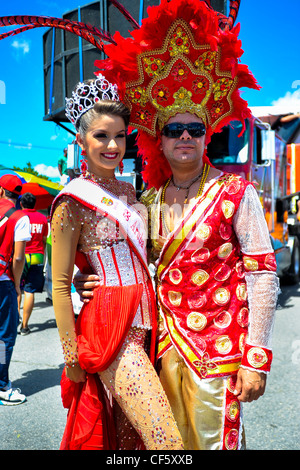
142,408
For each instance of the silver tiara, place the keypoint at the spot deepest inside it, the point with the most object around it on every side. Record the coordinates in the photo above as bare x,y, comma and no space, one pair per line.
87,94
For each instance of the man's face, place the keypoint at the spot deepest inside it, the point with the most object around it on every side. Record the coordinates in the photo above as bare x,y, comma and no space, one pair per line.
184,150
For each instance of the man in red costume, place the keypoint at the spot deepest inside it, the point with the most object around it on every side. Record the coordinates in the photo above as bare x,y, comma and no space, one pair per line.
33,275
14,232
217,290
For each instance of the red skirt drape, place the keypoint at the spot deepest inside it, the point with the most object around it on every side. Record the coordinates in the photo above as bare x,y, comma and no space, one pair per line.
101,328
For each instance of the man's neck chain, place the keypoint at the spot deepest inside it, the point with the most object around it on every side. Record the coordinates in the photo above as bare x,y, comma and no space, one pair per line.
203,176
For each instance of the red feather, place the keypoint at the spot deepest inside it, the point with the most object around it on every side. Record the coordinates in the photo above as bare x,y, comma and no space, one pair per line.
83,30
125,13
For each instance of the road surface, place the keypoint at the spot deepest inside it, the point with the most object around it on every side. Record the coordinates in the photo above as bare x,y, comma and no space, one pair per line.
272,422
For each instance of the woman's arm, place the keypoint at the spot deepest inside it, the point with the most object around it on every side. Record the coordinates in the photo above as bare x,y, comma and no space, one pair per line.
65,231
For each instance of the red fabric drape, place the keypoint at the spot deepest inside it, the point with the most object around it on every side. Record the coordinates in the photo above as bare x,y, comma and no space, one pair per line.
90,424
104,323
101,328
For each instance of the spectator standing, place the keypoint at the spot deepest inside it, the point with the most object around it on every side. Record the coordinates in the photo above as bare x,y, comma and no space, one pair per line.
33,275
14,233
63,167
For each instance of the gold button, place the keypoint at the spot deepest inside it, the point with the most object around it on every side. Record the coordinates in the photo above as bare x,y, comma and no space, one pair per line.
196,321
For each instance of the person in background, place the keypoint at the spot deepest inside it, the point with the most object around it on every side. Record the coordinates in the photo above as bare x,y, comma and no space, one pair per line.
33,274
14,233
63,168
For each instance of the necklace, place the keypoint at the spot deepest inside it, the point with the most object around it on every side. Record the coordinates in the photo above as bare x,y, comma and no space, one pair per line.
109,183
203,179
203,175
100,179
187,188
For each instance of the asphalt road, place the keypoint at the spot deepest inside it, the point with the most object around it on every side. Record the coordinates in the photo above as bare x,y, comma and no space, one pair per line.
272,422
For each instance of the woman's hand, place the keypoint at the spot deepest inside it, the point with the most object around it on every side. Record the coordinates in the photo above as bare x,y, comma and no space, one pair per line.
76,374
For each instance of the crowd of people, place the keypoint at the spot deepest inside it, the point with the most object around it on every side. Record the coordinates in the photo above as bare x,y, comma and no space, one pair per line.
160,363
23,235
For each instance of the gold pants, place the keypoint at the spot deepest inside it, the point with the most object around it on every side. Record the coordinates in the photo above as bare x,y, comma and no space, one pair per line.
208,415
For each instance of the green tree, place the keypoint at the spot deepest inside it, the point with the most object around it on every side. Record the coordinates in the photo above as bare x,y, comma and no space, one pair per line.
29,169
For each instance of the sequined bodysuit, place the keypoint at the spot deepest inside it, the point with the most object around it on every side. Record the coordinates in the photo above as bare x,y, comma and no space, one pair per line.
131,378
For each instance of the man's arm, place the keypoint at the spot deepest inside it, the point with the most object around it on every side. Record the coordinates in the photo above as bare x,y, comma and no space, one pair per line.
85,284
44,244
262,288
18,263
250,385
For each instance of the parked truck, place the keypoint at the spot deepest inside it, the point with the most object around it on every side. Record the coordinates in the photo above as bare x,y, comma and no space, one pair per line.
261,156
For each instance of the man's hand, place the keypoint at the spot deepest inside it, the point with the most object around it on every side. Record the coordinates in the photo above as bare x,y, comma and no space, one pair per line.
250,385
85,284
18,291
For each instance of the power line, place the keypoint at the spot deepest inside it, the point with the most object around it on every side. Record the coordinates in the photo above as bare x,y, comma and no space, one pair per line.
29,146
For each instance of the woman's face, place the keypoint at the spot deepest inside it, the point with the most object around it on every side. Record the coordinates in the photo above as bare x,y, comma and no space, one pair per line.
104,144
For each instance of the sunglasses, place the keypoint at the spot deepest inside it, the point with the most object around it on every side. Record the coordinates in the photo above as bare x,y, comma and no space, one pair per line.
176,129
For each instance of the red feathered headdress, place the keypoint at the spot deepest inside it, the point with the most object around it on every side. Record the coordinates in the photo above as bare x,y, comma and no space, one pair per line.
180,60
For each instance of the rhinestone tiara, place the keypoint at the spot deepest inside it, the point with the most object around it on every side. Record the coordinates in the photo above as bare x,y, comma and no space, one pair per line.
87,94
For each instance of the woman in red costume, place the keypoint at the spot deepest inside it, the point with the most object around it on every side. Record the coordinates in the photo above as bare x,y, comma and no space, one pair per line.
96,226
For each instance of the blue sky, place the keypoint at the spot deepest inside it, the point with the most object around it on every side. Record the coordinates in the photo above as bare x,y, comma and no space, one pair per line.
270,38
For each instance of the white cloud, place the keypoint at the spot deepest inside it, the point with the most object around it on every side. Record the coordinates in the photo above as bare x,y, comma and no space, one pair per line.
50,171
290,102
21,46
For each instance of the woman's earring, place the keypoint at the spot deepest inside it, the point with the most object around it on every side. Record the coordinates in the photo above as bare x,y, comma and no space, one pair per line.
83,166
121,167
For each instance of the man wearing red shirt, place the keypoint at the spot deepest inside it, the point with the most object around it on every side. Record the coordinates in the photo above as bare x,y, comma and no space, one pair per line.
14,233
33,275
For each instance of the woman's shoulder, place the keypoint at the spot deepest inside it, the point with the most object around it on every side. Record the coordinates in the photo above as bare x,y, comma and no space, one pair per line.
128,189
127,185
63,205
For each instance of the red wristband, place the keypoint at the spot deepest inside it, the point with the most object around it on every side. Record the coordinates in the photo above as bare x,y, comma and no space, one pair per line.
256,357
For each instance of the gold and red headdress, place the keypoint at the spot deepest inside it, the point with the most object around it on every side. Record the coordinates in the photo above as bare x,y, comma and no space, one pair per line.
178,61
